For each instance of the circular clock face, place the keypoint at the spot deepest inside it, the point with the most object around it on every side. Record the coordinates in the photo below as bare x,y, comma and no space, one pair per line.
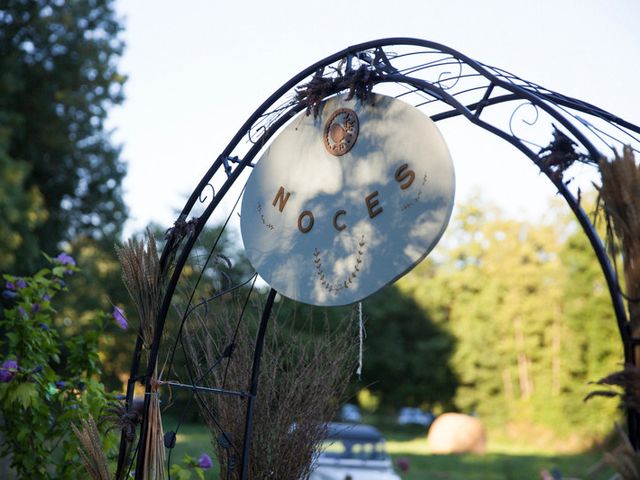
341,131
342,204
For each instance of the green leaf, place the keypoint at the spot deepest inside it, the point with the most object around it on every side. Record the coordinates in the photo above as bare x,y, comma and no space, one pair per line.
59,270
180,472
26,394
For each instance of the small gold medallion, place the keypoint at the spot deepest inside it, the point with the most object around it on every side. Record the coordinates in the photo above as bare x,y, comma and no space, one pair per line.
341,131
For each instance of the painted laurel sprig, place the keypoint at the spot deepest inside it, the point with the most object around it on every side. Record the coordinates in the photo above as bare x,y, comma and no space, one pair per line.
337,287
264,222
416,199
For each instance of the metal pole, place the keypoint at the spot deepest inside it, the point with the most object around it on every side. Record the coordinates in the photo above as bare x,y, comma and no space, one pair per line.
253,387
124,443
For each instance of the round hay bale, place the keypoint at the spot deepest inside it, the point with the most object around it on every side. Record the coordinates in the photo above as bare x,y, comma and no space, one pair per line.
457,433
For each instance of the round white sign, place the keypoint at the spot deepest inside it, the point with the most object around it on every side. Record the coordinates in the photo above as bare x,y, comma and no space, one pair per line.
345,203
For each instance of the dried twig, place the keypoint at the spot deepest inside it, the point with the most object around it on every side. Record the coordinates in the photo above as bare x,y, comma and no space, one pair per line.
560,154
625,460
628,380
358,82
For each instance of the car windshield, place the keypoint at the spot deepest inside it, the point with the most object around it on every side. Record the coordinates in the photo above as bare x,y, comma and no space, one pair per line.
353,449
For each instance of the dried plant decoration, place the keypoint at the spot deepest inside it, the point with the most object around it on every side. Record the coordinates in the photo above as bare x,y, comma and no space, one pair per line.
358,82
155,455
301,383
625,460
560,154
90,450
142,275
125,421
628,380
145,280
620,200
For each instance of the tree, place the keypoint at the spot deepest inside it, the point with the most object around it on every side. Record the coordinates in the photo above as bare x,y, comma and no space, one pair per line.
20,208
407,357
58,78
528,307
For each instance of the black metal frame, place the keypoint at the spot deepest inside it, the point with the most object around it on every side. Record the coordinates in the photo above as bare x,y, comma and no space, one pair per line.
444,84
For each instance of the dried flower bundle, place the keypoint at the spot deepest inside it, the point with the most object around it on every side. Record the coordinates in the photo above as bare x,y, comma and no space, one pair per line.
142,275
620,192
620,198
155,455
359,82
625,460
628,380
301,381
91,452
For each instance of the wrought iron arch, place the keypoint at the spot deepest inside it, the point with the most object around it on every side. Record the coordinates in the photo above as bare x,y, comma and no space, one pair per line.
443,83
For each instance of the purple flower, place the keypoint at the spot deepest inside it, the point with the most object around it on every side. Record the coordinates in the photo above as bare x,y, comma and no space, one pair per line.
65,259
9,285
46,297
9,294
35,308
403,464
22,312
8,370
44,326
20,283
61,384
118,316
204,462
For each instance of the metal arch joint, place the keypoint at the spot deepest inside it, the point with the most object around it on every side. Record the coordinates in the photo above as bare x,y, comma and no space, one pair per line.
485,100
227,167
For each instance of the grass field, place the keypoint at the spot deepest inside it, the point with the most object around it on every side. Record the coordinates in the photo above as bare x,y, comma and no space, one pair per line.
503,461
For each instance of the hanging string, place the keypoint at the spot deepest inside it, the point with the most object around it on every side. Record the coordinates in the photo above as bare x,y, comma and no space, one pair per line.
361,335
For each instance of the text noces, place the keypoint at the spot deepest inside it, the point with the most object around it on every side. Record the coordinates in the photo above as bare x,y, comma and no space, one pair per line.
403,175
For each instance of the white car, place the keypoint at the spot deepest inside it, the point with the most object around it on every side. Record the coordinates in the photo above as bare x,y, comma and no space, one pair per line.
414,416
353,452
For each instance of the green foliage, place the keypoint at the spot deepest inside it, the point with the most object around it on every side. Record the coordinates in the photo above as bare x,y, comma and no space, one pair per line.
55,380
58,78
530,312
21,208
99,286
185,472
407,360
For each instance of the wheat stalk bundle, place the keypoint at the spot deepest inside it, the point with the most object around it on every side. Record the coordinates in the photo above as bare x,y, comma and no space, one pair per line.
145,281
90,450
620,194
155,455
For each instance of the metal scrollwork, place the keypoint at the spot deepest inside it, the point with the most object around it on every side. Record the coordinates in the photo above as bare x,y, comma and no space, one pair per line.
533,109
451,77
204,198
419,71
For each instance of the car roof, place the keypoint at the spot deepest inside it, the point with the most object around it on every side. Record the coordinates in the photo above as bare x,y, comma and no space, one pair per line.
354,432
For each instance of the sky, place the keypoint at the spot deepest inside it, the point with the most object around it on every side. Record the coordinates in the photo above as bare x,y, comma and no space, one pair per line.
197,69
